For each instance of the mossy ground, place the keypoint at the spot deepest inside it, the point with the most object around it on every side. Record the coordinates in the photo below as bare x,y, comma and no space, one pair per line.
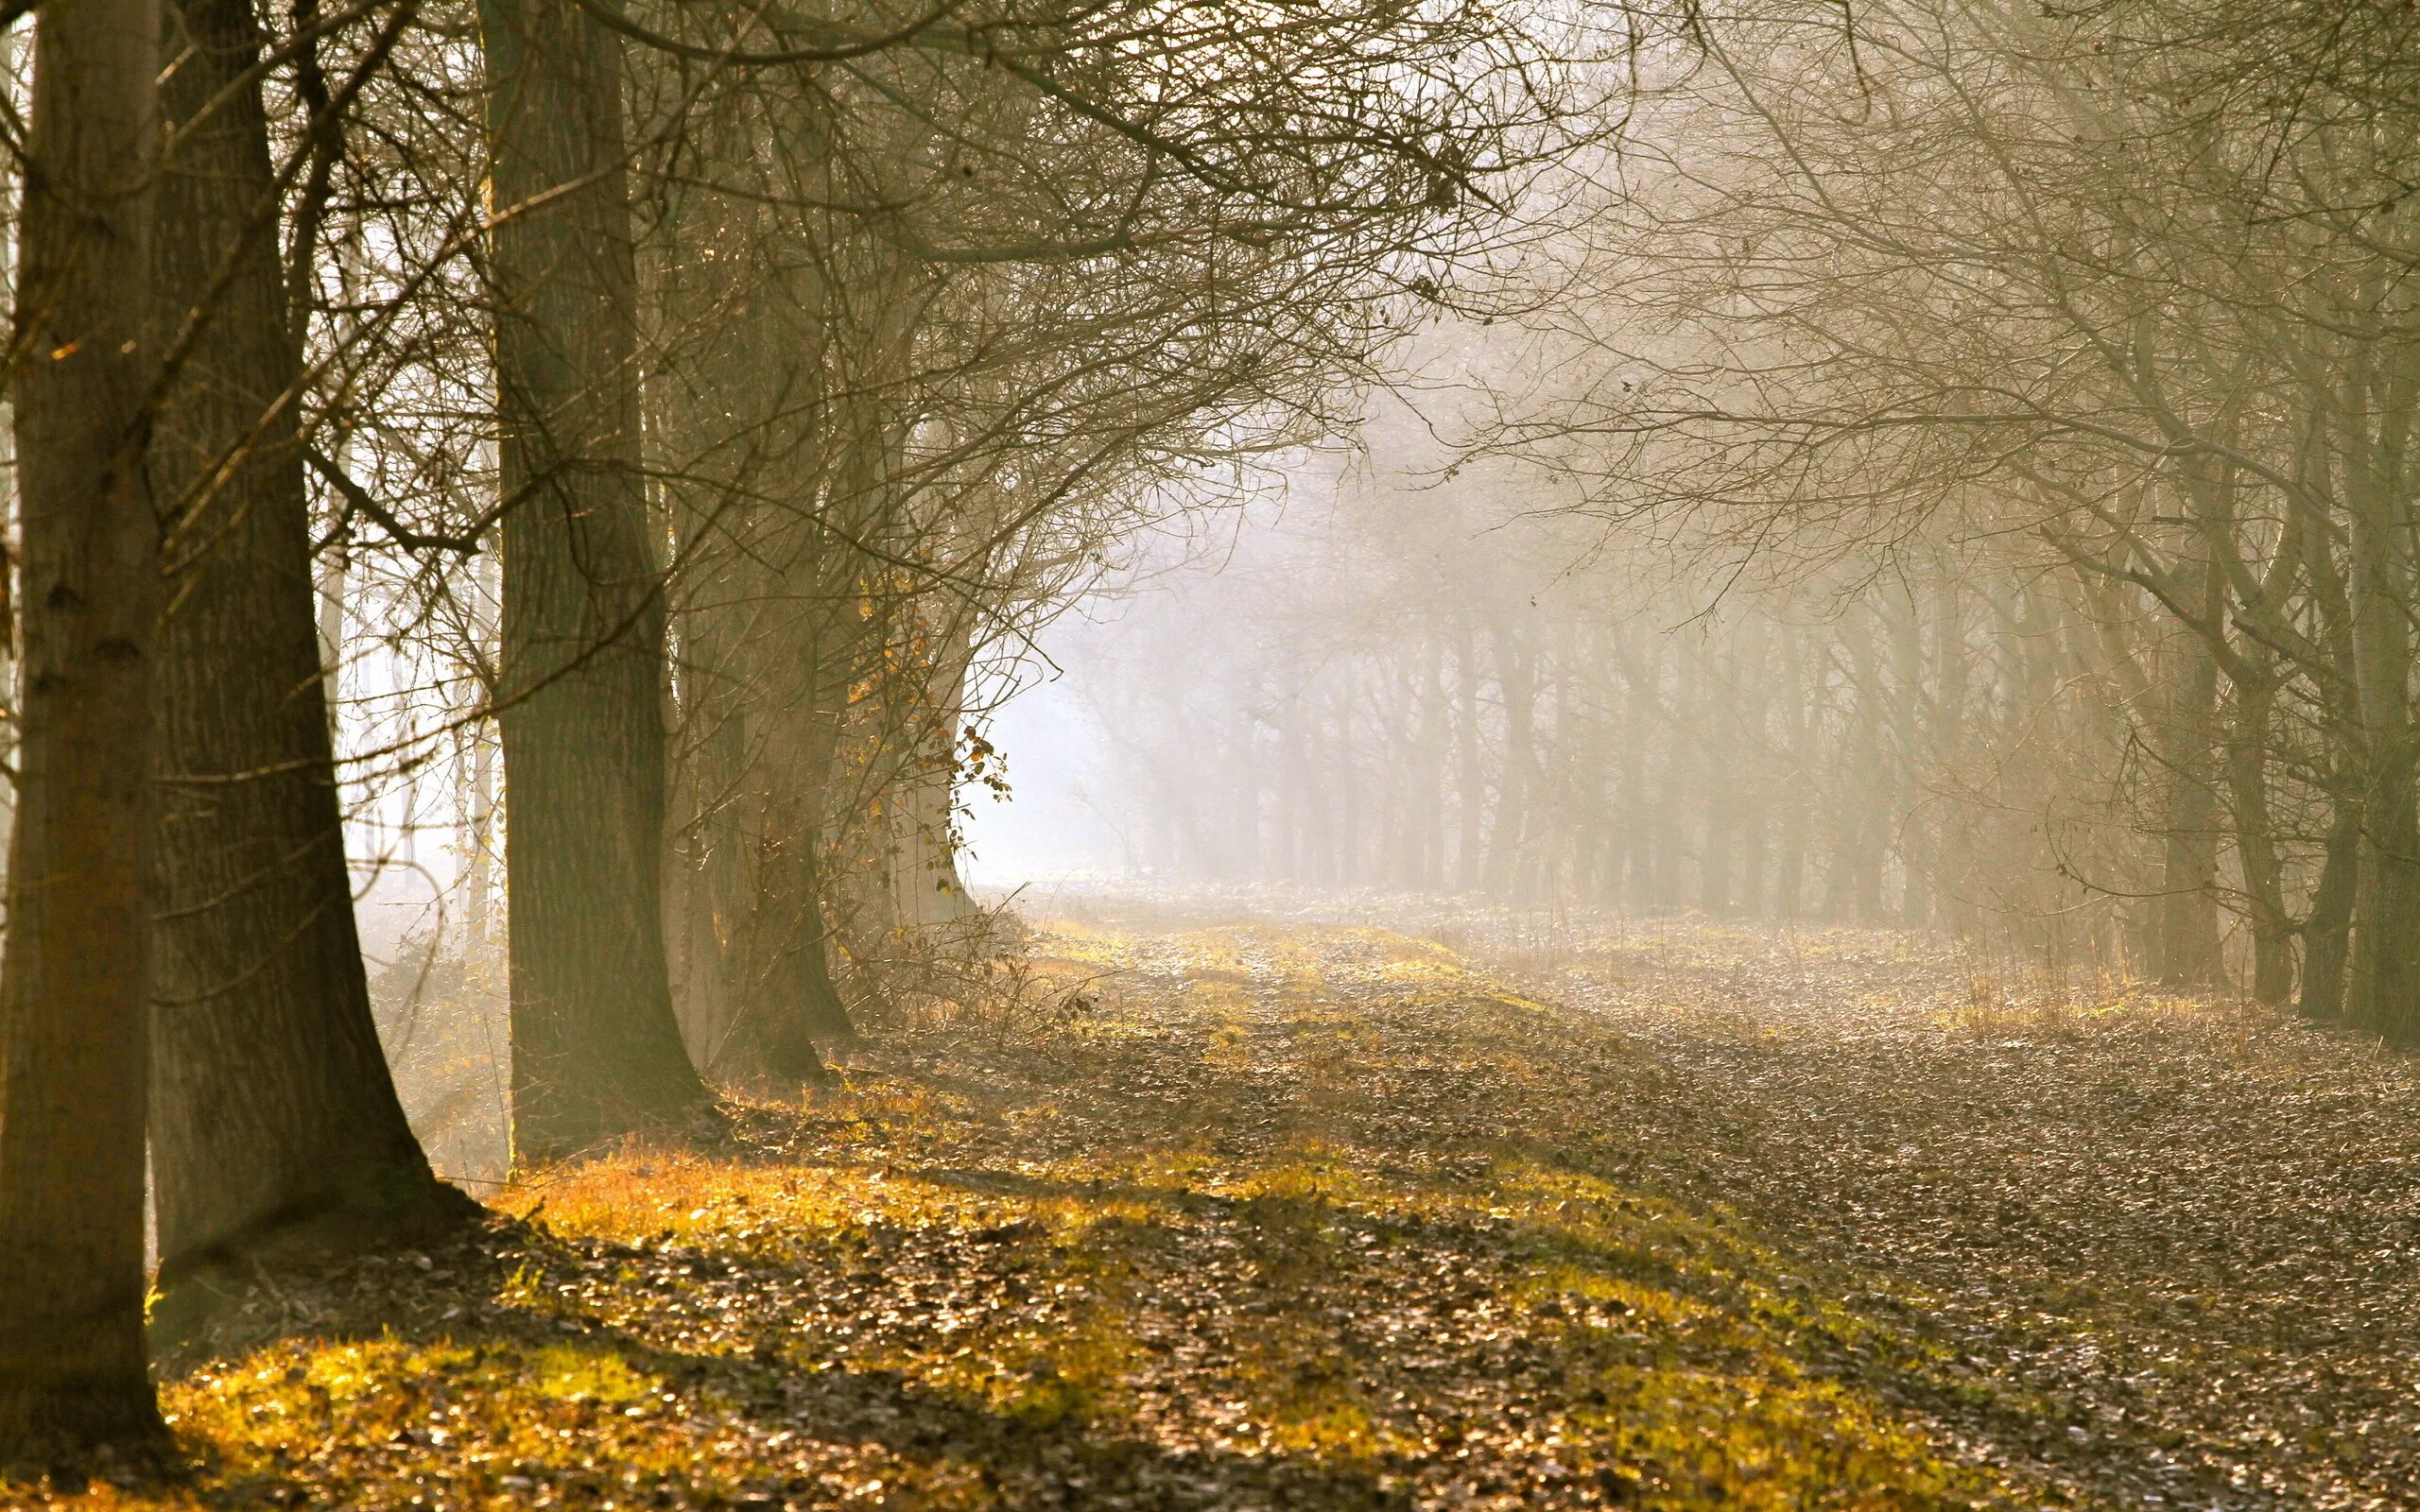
1312,1217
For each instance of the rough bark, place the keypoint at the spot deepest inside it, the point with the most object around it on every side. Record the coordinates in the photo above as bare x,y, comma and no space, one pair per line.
596,1051
273,1118
73,995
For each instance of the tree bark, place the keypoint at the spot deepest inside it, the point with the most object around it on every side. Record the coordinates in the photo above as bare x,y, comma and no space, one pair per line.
74,1008
596,1051
272,1112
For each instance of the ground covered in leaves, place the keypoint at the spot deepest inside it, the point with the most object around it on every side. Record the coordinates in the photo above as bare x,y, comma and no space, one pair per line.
1310,1212
2178,1242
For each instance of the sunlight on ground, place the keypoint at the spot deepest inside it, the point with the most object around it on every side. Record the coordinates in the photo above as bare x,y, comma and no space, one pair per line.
1316,1218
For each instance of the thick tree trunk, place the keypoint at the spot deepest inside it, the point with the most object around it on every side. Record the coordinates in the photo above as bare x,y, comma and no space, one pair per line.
786,453
74,1003
757,990
782,982
272,1113
596,1051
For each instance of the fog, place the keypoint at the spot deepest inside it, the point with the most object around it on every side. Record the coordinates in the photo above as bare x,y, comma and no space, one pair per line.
1382,753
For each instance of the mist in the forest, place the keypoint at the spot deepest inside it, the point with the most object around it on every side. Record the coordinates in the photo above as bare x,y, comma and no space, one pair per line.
1410,754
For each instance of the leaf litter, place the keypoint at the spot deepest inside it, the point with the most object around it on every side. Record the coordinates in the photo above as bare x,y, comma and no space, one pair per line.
1310,1212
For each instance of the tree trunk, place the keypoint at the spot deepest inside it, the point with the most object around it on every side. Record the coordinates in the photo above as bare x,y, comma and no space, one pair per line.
1852,881
1790,867
1717,733
925,872
2326,927
1910,728
2185,931
1470,772
595,1051
2247,772
2327,930
74,1004
272,1112
1755,734
2383,991
786,998
1429,778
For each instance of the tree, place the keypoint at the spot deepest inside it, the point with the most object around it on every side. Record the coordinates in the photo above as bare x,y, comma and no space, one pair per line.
595,1051
274,1120
74,998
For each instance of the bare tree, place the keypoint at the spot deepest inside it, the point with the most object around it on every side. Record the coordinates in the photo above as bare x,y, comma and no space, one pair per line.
274,1121
74,993
596,1053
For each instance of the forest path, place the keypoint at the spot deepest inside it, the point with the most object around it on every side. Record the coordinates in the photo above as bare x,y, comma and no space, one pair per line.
1314,1214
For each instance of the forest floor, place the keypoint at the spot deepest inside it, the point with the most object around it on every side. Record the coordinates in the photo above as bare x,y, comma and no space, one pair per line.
1296,1208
